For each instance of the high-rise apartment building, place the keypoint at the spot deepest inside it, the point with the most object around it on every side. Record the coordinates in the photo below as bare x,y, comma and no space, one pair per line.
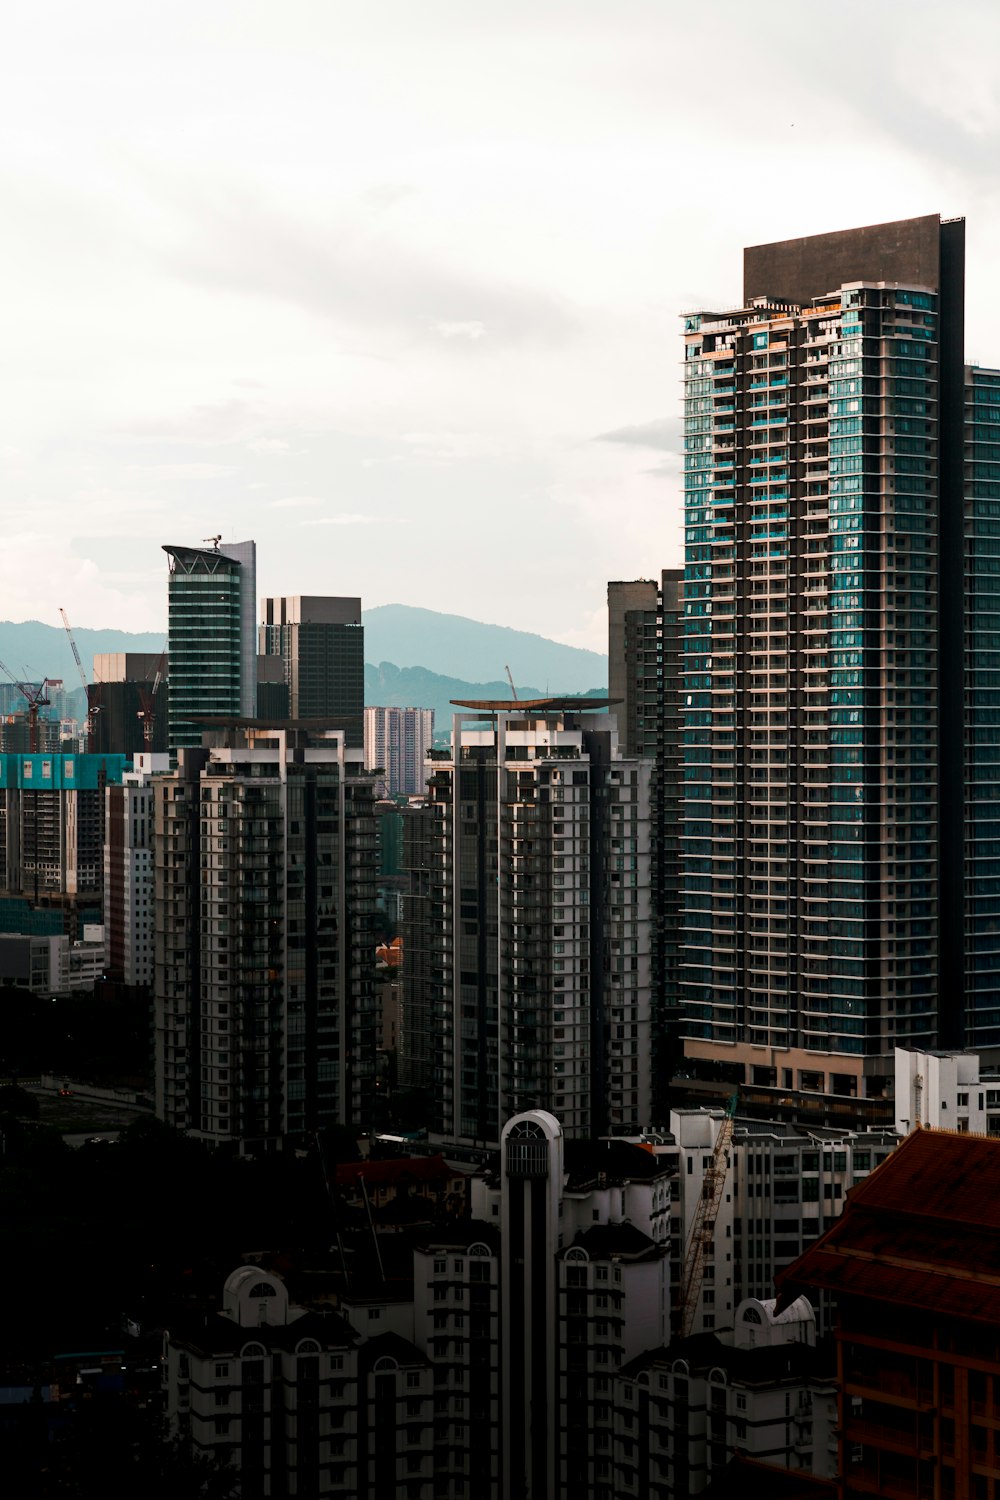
128,872
396,744
537,911
838,606
322,644
212,637
264,936
644,685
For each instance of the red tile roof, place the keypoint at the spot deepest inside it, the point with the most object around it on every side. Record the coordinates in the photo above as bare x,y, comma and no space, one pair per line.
923,1231
398,1171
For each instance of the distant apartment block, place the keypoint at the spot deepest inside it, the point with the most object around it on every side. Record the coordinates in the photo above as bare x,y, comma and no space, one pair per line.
397,741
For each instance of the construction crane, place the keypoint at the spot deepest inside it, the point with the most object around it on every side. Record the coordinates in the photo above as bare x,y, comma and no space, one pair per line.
510,679
37,697
93,709
703,1227
215,540
147,698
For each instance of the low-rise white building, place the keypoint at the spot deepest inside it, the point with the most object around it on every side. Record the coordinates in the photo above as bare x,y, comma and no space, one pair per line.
53,965
680,1413
298,1402
783,1185
943,1091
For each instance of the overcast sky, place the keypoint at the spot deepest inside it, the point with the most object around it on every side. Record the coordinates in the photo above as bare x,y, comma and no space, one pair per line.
393,285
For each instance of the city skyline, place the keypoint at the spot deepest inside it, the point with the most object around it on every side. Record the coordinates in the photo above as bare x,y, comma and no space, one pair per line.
301,282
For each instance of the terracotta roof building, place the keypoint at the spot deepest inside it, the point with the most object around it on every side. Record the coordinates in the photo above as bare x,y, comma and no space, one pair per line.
914,1262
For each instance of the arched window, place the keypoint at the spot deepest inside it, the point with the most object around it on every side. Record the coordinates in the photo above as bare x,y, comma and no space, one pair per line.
252,1351
752,1316
307,1346
262,1289
385,1363
527,1150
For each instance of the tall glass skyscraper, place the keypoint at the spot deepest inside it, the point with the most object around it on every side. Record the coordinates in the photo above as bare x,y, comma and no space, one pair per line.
212,637
980,1019
830,763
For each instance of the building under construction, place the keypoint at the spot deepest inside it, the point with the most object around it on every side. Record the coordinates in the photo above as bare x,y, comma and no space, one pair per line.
52,839
128,703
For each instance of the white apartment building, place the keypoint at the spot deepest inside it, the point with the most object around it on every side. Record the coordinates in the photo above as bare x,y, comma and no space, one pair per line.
298,1402
128,871
397,742
783,1186
680,1413
944,1091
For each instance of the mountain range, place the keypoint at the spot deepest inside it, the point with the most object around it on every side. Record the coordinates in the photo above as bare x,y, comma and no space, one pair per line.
414,658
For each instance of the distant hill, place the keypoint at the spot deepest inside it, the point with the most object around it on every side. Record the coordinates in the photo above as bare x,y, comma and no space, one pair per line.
426,658
42,650
390,686
471,650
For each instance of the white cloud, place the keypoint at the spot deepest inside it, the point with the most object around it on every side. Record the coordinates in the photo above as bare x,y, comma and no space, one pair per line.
471,330
371,267
346,518
181,471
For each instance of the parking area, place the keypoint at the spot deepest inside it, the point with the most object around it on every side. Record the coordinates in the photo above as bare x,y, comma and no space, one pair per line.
73,1115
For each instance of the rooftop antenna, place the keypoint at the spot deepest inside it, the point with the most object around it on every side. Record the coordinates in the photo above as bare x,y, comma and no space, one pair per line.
513,689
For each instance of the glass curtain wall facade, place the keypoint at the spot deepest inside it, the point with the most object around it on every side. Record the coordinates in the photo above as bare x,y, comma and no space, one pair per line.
205,623
822,638
982,708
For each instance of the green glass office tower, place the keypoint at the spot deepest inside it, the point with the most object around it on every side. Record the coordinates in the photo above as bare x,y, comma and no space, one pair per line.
212,638
827,772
